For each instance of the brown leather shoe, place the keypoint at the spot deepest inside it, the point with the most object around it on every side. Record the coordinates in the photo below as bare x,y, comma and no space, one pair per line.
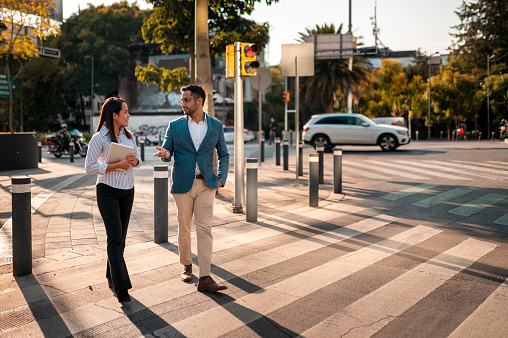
209,285
187,273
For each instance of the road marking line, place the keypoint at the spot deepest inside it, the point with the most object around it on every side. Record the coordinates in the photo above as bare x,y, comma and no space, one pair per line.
385,170
477,205
400,166
464,165
371,313
446,196
222,319
503,220
407,192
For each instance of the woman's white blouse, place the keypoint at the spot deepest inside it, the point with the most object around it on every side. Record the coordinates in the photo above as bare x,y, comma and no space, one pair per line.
96,160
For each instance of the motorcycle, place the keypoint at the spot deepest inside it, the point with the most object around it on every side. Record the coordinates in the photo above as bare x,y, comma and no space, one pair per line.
58,148
502,130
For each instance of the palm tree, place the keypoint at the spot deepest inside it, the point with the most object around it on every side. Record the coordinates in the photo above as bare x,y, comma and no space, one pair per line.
332,77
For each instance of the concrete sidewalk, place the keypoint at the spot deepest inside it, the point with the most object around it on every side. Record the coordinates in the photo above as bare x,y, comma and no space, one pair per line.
68,294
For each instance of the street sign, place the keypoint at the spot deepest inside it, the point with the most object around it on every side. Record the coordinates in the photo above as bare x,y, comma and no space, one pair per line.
4,86
305,54
264,76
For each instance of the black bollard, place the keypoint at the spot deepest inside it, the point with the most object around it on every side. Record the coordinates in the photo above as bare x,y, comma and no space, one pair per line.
142,142
300,159
277,151
39,152
313,180
441,135
479,136
285,150
262,155
252,190
137,139
71,151
21,226
321,151
493,136
160,204
160,140
417,135
337,170
290,137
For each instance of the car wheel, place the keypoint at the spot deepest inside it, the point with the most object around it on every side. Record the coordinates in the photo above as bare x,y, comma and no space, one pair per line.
57,155
388,142
321,140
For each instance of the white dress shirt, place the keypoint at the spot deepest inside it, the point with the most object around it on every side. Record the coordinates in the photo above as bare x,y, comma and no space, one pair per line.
96,160
197,132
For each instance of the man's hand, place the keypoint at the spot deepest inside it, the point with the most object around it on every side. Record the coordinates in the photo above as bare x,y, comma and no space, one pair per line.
162,152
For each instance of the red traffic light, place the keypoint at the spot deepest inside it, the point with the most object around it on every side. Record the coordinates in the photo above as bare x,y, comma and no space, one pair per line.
251,50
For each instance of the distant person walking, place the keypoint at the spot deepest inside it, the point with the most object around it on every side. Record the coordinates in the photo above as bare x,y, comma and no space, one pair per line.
115,188
191,140
273,130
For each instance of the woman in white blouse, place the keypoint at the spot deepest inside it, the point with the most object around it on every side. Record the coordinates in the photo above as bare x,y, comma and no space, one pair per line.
115,188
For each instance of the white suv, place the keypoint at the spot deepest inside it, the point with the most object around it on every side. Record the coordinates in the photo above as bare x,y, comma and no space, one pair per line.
352,129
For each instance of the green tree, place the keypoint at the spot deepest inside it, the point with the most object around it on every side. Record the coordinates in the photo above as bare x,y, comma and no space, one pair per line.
392,83
332,77
104,33
455,97
21,17
498,97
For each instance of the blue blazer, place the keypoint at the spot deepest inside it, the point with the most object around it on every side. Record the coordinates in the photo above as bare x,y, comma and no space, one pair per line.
178,142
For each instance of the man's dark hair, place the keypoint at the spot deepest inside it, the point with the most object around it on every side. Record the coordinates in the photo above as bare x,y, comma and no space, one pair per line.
196,91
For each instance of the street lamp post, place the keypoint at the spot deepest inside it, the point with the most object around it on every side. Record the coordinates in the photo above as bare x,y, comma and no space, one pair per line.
488,93
430,76
91,97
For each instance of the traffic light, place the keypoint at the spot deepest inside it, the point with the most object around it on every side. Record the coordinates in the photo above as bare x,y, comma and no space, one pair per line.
410,114
248,53
230,61
285,96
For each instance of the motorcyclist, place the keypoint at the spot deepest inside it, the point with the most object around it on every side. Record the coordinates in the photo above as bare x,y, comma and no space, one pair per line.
65,137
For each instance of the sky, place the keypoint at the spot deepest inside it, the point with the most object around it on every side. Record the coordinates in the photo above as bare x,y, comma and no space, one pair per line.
403,24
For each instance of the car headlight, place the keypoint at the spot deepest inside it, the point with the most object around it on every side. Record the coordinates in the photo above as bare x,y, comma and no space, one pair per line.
402,132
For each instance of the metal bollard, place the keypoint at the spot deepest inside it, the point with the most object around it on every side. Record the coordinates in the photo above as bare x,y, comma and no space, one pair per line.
252,190
21,226
453,136
39,152
285,150
137,139
337,170
160,204
321,151
71,151
142,142
160,140
262,155
479,136
277,151
313,180
300,159
440,135
493,136
417,135
290,137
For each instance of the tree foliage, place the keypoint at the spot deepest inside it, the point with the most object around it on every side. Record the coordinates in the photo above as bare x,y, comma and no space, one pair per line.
23,17
332,77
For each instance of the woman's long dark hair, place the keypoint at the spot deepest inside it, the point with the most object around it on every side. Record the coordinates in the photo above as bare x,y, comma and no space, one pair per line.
111,106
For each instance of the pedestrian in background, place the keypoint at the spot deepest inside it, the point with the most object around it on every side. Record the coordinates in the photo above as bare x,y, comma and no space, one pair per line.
191,140
273,130
115,188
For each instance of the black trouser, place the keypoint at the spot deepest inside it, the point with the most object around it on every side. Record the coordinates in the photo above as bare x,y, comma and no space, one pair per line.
115,206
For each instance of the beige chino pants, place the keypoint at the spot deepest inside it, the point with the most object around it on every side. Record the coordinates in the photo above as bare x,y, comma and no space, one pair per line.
197,202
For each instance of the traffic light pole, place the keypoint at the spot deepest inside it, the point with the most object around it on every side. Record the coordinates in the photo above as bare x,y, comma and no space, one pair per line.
297,118
239,150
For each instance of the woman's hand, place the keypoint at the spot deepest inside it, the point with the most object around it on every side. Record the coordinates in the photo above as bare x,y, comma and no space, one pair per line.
132,159
124,164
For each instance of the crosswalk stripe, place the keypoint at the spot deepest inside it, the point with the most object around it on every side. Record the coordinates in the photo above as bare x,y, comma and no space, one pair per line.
490,311
220,320
368,174
440,167
491,165
406,167
465,165
407,192
385,170
498,162
503,220
371,313
477,205
443,197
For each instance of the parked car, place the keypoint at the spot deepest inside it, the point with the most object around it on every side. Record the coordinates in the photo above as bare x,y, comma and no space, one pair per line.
329,130
391,121
149,137
229,134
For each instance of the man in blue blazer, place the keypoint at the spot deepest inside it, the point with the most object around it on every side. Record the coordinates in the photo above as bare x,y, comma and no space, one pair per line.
191,140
